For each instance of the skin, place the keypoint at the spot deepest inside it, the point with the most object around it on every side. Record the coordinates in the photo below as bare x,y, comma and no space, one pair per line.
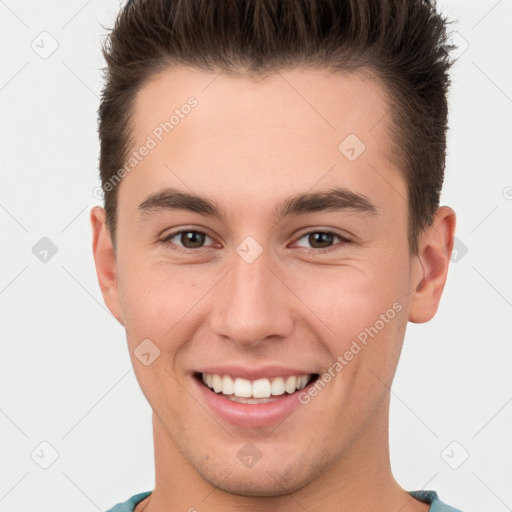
249,145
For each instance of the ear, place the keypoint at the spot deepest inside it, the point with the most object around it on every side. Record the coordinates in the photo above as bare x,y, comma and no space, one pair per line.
105,261
431,265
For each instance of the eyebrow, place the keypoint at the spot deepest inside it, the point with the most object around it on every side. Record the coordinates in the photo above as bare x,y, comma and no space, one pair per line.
333,199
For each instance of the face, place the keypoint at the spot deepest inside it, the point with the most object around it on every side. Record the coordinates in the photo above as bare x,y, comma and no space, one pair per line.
263,237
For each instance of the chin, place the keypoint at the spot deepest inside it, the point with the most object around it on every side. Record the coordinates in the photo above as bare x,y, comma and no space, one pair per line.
270,480
258,486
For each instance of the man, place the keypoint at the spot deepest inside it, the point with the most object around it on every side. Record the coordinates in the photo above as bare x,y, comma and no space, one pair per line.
272,172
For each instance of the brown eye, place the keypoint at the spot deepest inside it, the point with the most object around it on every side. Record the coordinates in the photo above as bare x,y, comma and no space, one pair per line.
192,239
322,240
187,239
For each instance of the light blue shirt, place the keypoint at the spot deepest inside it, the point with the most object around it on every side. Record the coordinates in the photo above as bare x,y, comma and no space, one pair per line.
431,497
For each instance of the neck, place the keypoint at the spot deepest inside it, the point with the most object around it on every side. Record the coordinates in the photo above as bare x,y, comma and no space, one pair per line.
360,480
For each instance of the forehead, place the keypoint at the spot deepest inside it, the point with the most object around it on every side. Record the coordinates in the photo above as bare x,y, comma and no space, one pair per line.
293,128
309,100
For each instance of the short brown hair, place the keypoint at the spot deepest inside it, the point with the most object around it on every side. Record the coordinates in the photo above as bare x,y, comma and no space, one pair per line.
402,42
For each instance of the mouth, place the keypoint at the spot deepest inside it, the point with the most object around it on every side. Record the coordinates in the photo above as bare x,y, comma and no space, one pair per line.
253,392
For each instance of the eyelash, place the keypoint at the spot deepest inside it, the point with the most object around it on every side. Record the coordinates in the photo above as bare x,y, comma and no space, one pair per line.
343,240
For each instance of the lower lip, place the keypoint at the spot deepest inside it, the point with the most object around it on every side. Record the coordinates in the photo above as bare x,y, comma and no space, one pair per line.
251,415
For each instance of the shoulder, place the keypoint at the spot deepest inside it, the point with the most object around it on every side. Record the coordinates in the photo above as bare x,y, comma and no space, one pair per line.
129,505
431,497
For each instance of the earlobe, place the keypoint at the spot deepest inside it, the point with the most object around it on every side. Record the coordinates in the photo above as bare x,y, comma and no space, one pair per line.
433,259
105,261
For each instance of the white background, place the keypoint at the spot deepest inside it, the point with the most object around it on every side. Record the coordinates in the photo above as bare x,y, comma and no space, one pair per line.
65,373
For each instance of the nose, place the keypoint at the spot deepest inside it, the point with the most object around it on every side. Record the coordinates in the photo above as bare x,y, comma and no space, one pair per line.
252,304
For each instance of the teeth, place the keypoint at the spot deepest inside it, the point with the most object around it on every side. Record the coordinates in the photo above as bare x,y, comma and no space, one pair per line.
243,388
261,388
217,383
302,382
228,386
278,386
257,389
291,384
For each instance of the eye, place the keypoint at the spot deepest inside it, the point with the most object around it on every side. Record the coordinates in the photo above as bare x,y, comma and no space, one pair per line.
322,240
187,238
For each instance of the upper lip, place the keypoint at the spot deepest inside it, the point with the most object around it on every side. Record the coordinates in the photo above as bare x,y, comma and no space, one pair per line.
265,372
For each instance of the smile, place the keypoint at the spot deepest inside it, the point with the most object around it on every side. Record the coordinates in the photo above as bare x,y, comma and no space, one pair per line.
246,396
243,390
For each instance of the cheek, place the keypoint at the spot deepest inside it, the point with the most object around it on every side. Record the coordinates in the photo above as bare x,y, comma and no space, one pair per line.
363,318
156,297
349,299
